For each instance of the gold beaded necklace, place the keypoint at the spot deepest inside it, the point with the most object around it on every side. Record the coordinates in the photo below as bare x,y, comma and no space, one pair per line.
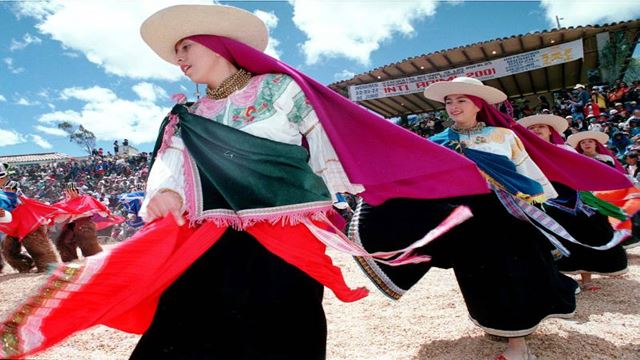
229,85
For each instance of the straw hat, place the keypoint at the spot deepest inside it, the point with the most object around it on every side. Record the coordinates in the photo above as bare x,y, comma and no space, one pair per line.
556,122
162,30
575,139
465,86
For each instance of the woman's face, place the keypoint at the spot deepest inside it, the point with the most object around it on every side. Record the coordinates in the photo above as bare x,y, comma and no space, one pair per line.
461,109
588,146
196,61
541,130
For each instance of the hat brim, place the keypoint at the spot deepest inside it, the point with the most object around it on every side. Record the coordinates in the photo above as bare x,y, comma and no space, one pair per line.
162,30
438,91
7,218
575,139
556,122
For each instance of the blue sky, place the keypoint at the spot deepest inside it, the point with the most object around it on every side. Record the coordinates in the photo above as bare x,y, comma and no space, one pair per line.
84,62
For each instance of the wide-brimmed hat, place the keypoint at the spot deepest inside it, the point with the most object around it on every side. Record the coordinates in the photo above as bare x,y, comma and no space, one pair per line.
465,86
599,136
556,122
579,86
162,30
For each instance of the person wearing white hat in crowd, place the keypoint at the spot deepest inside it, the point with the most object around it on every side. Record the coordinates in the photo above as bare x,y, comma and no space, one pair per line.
504,297
593,145
583,215
239,207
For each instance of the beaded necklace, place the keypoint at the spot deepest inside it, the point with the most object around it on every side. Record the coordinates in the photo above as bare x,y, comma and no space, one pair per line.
230,85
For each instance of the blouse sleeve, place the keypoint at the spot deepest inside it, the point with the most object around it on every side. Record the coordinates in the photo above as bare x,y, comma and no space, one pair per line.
323,158
525,166
166,174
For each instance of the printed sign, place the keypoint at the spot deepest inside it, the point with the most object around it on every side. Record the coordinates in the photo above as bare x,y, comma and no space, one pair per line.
493,69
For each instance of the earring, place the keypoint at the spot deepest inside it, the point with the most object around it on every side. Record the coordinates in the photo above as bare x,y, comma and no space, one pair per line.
197,93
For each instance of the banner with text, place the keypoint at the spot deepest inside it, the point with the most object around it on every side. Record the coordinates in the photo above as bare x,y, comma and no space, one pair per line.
493,69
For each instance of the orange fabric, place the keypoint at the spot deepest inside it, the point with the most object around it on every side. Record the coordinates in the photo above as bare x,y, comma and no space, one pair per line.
627,199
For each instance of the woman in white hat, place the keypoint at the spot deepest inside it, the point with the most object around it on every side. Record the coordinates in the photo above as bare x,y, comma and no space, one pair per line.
250,170
505,297
583,215
593,144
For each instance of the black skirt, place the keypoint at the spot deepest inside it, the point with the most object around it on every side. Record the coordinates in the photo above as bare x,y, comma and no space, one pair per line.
503,266
238,301
593,230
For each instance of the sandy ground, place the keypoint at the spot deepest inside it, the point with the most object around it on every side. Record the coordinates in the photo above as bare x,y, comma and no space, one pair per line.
429,322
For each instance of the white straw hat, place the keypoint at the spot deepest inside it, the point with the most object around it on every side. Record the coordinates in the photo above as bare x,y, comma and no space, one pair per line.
556,122
599,136
162,30
465,86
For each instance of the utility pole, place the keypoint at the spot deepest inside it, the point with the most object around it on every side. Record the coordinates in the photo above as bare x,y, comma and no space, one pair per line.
558,20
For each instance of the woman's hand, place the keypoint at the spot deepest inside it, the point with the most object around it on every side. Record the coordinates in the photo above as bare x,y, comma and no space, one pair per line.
163,203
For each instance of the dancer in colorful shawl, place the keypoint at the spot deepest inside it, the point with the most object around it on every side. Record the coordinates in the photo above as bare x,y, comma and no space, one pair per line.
247,256
86,216
502,256
583,215
593,145
28,228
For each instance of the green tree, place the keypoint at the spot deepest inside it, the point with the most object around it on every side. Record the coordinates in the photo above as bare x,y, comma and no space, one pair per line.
80,136
633,71
612,57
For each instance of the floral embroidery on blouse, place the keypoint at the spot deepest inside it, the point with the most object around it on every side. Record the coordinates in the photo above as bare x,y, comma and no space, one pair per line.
254,103
301,108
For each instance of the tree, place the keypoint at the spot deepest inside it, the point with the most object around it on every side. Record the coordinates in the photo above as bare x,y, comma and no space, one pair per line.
612,57
80,135
633,71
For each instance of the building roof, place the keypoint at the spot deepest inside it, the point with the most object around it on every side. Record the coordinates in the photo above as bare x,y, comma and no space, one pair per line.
533,82
35,158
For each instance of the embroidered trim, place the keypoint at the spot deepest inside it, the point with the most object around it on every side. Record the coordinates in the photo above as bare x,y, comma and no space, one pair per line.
519,333
468,131
169,131
301,108
368,265
21,332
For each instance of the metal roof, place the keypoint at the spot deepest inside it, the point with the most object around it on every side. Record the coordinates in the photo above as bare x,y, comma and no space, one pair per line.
538,81
34,158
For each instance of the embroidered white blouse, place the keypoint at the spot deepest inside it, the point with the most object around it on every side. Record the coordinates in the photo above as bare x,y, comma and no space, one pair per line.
503,141
271,106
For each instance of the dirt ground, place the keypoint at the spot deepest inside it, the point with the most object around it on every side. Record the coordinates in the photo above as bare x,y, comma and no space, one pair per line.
429,322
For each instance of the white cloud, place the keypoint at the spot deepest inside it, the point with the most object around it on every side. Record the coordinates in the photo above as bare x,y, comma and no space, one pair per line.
354,29
95,93
27,40
589,12
111,117
51,130
25,102
149,92
2,98
107,34
10,137
271,20
40,141
344,75
9,62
